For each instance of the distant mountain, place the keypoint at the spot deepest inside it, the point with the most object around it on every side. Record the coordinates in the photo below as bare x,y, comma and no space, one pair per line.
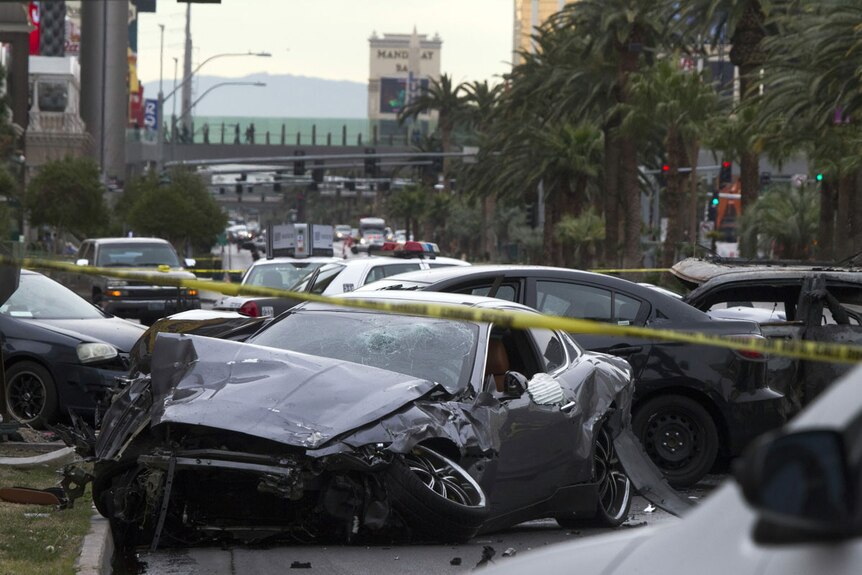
285,96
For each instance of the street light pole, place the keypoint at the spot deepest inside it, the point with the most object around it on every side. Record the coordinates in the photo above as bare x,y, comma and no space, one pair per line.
210,89
174,113
160,128
162,100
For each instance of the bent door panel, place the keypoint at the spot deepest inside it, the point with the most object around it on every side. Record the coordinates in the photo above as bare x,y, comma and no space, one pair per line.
536,452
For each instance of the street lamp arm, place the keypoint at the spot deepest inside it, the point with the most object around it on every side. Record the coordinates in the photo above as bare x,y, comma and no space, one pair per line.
219,85
188,78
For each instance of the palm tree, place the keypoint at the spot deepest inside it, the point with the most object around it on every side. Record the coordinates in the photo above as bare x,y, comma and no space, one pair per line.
744,24
680,105
627,34
449,102
811,104
784,221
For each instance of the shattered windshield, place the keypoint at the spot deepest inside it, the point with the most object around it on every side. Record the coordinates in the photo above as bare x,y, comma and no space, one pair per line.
438,350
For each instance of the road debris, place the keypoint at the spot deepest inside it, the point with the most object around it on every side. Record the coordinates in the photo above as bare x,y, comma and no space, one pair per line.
510,552
488,553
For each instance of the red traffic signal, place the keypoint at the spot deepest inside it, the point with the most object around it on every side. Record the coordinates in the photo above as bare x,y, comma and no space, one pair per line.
665,168
725,165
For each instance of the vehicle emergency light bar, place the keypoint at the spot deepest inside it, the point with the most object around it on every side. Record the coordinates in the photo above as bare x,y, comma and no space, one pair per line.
410,249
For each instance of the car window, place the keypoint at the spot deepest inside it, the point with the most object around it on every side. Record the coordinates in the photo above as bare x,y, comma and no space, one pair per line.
507,292
86,252
625,309
437,350
574,300
586,302
325,276
553,354
386,270
39,297
137,254
279,275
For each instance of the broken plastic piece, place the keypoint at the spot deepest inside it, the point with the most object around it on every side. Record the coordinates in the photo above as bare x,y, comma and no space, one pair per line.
455,561
510,552
300,565
649,508
29,496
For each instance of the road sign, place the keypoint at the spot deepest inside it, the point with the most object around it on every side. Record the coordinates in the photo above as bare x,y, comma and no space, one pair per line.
151,114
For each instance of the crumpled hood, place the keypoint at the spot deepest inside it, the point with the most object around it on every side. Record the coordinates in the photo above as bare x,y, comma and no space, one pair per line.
283,396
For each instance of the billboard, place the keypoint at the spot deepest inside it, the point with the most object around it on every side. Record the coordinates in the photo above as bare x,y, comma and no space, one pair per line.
393,93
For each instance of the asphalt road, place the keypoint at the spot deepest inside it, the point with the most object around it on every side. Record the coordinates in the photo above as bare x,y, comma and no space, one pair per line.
385,559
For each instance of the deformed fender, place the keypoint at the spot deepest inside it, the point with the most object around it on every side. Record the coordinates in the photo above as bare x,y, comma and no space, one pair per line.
646,476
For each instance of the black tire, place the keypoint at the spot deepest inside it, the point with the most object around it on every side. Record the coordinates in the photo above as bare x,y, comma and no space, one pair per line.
31,395
615,487
435,496
679,435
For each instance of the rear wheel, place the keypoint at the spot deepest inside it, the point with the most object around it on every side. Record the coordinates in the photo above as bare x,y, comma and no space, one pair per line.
679,435
436,497
31,396
615,487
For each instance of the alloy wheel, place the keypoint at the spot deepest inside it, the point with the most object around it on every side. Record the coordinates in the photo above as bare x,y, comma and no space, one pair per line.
445,477
614,485
26,396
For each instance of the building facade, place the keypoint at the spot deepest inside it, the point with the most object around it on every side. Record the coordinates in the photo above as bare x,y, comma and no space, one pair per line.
401,66
528,15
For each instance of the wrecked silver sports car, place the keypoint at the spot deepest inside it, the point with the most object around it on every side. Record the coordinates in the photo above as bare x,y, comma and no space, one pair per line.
347,424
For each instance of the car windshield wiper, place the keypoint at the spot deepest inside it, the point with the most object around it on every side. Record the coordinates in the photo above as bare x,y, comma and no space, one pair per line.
147,264
400,287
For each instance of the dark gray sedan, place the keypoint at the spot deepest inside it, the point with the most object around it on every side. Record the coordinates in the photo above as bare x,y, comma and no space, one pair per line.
410,427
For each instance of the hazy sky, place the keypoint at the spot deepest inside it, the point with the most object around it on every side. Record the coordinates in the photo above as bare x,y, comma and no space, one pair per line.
325,38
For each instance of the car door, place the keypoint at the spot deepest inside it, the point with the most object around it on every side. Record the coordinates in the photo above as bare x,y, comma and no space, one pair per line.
536,455
830,313
593,302
772,302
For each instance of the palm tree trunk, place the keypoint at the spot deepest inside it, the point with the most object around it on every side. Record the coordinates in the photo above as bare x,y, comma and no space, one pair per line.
843,225
631,202
629,188
489,208
673,199
692,198
549,251
611,196
826,227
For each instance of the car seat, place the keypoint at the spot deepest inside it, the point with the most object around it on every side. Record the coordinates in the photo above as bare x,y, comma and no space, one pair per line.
497,363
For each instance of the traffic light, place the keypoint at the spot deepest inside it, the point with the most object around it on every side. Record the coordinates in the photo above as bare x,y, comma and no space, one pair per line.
532,213
299,165
712,209
661,177
437,164
725,174
819,176
276,185
240,178
370,164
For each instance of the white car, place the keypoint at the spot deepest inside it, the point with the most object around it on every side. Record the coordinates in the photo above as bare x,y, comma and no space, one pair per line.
318,275
793,509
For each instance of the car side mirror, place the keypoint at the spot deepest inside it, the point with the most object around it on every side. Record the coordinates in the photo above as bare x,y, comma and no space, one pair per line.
190,262
800,480
82,262
514,384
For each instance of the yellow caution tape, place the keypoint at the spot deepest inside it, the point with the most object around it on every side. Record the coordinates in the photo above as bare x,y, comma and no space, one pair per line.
214,271
828,352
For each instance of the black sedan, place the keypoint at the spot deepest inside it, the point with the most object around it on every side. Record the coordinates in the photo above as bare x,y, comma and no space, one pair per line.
692,403
59,352
431,429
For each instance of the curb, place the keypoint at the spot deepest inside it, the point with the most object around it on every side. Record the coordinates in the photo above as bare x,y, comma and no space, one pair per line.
97,549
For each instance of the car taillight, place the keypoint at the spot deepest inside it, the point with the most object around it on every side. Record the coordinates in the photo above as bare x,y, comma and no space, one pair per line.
750,353
192,292
250,308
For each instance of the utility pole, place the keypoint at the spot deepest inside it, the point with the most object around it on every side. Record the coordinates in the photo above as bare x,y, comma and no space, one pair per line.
187,74
160,128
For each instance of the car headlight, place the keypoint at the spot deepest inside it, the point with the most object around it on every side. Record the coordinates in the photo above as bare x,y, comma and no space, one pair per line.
93,352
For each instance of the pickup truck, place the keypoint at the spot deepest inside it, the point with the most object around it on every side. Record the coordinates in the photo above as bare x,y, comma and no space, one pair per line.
129,298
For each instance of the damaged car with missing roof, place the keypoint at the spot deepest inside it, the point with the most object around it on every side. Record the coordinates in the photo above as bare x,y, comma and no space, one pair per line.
413,428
